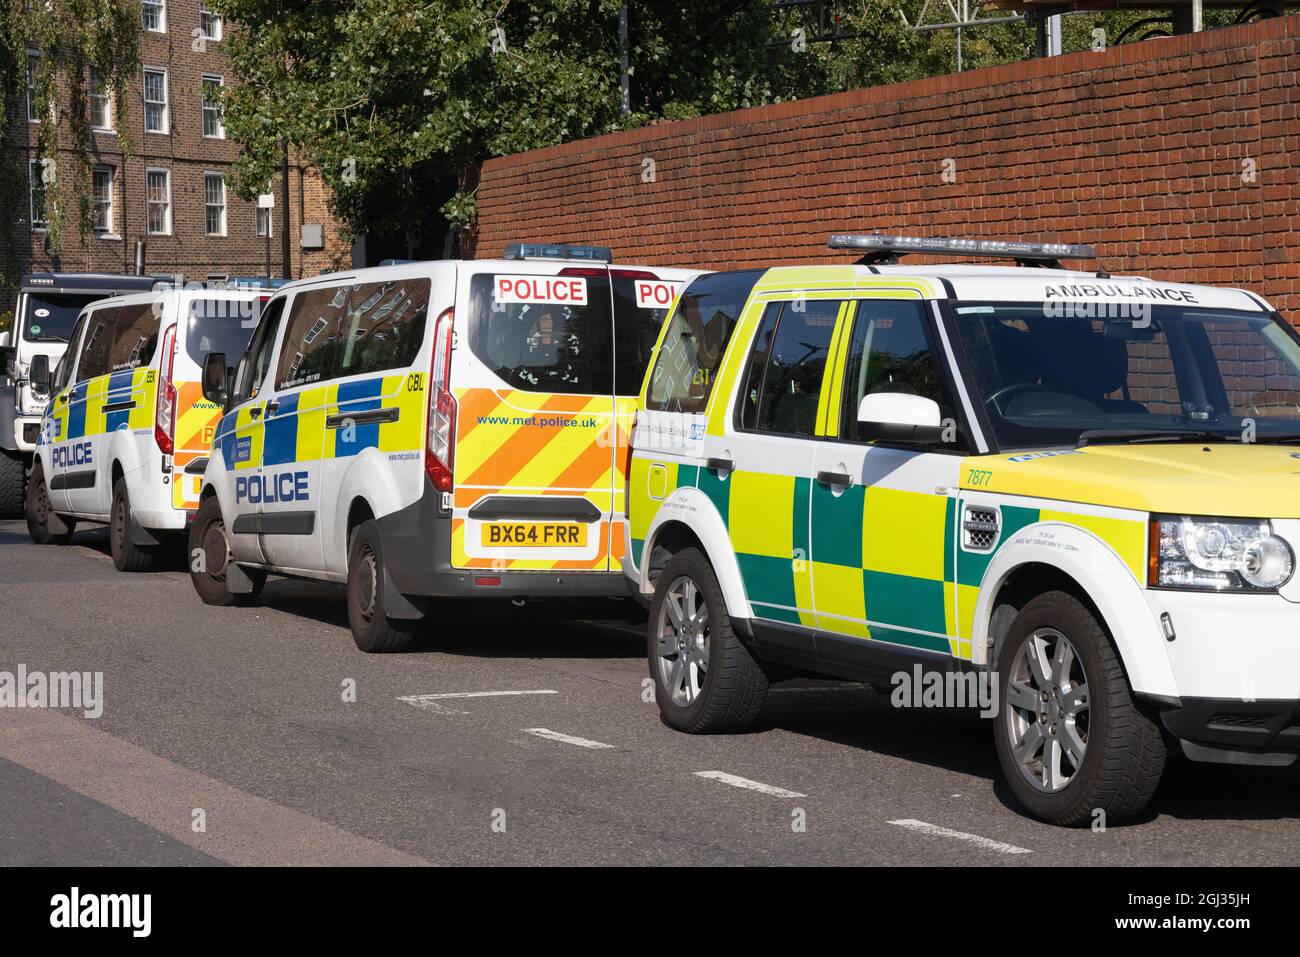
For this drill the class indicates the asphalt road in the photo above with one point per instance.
(227, 737)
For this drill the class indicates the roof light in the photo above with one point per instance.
(878, 247)
(599, 254)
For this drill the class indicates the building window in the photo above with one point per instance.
(36, 194)
(102, 178)
(153, 14)
(214, 204)
(263, 222)
(101, 103)
(210, 93)
(33, 61)
(158, 196)
(155, 101)
(209, 23)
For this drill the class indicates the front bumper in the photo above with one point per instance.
(417, 558)
(1239, 728)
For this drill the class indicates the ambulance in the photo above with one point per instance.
(425, 430)
(1074, 492)
(127, 421)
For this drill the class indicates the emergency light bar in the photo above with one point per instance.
(880, 248)
(596, 254)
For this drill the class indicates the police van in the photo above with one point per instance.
(128, 422)
(1079, 491)
(426, 430)
(46, 308)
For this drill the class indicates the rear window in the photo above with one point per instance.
(543, 346)
(339, 331)
(220, 325)
(696, 340)
(640, 307)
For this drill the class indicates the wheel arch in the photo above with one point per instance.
(688, 518)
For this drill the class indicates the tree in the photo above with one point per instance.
(74, 39)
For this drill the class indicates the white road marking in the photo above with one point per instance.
(739, 782)
(550, 735)
(431, 702)
(985, 842)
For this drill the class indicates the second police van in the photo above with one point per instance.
(1081, 492)
(127, 420)
(426, 430)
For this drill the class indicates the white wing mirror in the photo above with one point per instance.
(899, 417)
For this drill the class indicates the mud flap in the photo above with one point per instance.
(397, 605)
(237, 580)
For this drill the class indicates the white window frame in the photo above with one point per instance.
(35, 174)
(33, 108)
(265, 230)
(165, 102)
(220, 177)
(215, 20)
(106, 97)
(110, 217)
(167, 203)
(162, 16)
(219, 82)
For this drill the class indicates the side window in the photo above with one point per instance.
(63, 371)
(257, 358)
(695, 341)
(135, 336)
(890, 351)
(758, 356)
(99, 342)
(796, 365)
(348, 330)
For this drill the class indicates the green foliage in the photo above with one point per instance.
(73, 37)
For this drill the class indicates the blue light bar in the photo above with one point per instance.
(596, 254)
(996, 248)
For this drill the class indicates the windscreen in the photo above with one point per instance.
(50, 316)
(1051, 373)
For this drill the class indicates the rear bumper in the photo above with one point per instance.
(417, 556)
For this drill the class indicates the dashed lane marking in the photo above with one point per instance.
(987, 843)
(738, 782)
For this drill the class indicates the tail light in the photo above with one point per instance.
(164, 426)
(439, 449)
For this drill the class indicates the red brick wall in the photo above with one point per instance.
(1138, 150)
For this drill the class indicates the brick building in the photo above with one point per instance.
(1175, 157)
(173, 191)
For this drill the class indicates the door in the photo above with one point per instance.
(759, 476)
(74, 458)
(54, 429)
(882, 516)
(535, 433)
(240, 438)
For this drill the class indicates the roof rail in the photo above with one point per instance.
(880, 249)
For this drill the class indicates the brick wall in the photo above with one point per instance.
(187, 154)
(1138, 150)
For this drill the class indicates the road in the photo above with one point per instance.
(262, 736)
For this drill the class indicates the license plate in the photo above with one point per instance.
(534, 535)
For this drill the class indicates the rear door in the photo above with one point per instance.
(533, 375)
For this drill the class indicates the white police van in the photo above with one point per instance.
(426, 430)
(128, 421)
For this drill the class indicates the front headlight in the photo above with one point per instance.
(1218, 554)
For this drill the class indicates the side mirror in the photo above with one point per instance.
(38, 376)
(899, 417)
(6, 338)
(215, 388)
(7, 355)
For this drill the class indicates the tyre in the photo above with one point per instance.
(13, 485)
(1070, 737)
(705, 678)
(45, 527)
(209, 559)
(372, 629)
(127, 556)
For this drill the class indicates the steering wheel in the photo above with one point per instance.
(1011, 391)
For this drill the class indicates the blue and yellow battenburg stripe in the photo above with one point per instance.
(90, 406)
(296, 430)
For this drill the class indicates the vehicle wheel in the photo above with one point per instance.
(705, 678)
(13, 485)
(127, 556)
(372, 629)
(45, 527)
(1070, 737)
(209, 559)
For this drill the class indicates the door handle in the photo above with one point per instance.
(720, 465)
(272, 406)
(369, 417)
(835, 478)
(255, 412)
